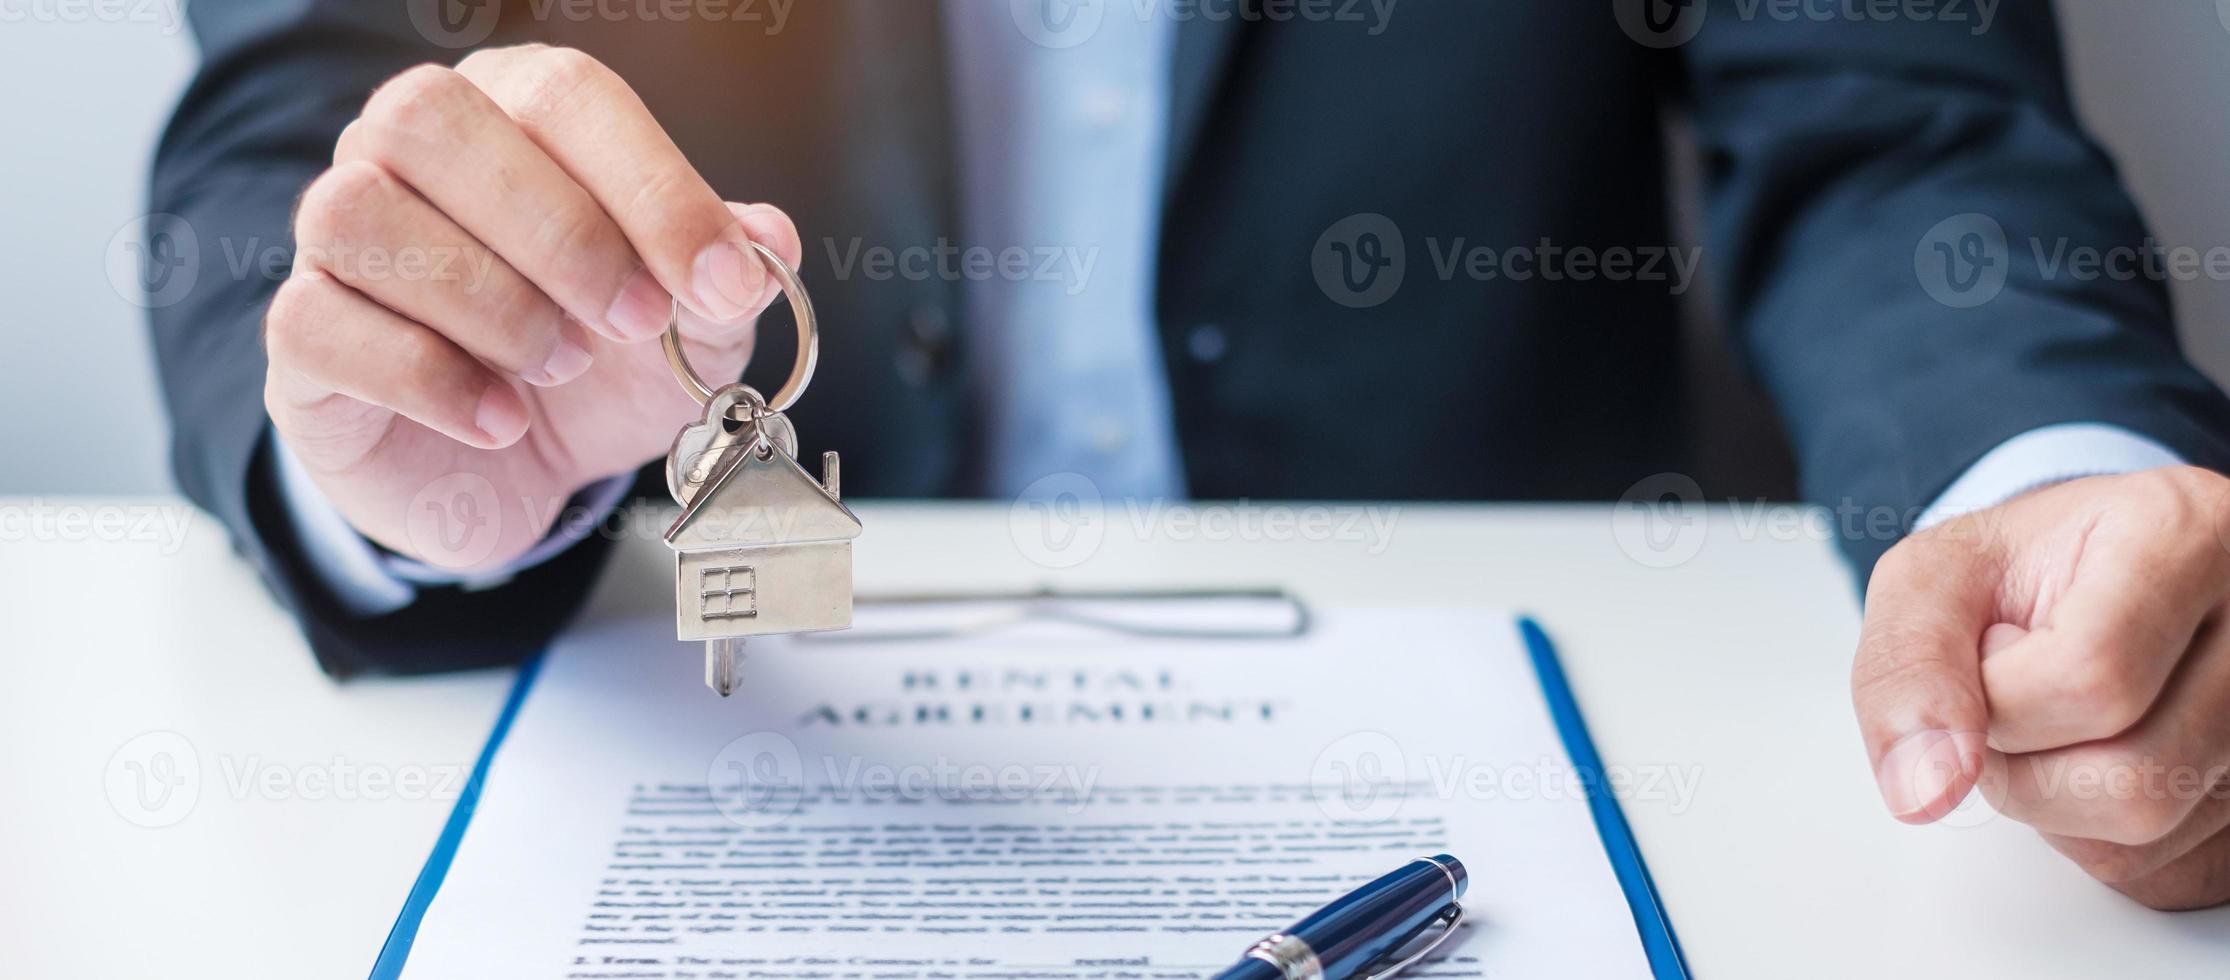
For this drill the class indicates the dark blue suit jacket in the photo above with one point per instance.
(1834, 154)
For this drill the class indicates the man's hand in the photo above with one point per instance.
(476, 288)
(2066, 650)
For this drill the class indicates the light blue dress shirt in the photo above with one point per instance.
(1061, 156)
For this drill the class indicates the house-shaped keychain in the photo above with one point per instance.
(763, 548)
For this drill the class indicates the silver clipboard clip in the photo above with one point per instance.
(1159, 613)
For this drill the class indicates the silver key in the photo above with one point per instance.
(760, 546)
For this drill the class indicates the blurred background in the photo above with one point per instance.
(79, 408)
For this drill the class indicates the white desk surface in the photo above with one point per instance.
(1735, 662)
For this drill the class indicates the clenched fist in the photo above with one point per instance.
(553, 224)
(2069, 652)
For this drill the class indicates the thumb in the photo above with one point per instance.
(766, 225)
(1917, 679)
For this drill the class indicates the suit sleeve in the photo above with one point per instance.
(278, 80)
(1892, 210)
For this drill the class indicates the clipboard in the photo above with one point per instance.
(1652, 926)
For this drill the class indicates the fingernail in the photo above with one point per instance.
(501, 417)
(727, 277)
(570, 360)
(1916, 773)
(640, 310)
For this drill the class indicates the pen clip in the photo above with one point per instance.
(1449, 918)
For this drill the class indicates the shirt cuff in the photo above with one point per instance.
(366, 580)
(2042, 457)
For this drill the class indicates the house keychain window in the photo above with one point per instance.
(729, 592)
(760, 546)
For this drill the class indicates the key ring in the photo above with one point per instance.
(809, 341)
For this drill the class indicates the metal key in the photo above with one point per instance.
(760, 546)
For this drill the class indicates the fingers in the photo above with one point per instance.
(2117, 628)
(460, 289)
(594, 126)
(437, 132)
(769, 226)
(1915, 682)
(2121, 863)
(2141, 786)
(326, 339)
(2197, 880)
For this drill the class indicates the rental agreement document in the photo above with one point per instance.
(1046, 801)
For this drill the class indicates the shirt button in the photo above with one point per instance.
(1207, 343)
(924, 344)
(1105, 108)
(1108, 436)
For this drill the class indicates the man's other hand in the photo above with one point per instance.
(478, 285)
(2067, 651)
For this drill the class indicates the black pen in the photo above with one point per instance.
(1363, 929)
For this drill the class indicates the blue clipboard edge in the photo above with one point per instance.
(396, 949)
(1658, 941)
